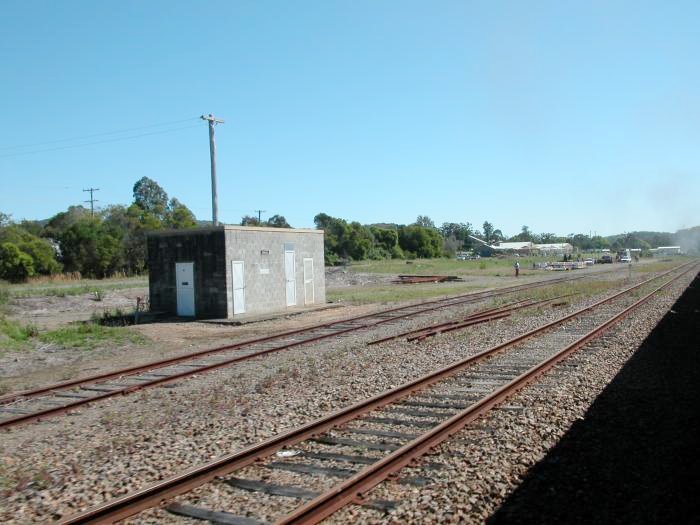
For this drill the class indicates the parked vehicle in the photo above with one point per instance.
(606, 259)
(589, 262)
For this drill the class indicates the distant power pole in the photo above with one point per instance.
(92, 200)
(213, 121)
(260, 212)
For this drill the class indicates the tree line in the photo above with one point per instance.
(110, 241)
(113, 240)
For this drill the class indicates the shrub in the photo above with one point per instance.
(15, 265)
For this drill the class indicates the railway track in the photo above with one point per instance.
(40, 403)
(335, 460)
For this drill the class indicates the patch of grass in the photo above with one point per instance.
(89, 336)
(483, 266)
(96, 289)
(395, 292)
(4, 294)
(658, 266)
(62, 289)
(14, 335)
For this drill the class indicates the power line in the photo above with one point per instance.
(96, 142)
(259, 215)
(92, 200)
(83, 137)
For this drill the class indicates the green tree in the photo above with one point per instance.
(142, 222)
(420, 241)
(90, 247)
(179, 216)
(386, 243)
(15, 265)
(41, 251)
(151, 197)
(425, 222)
(488, 232)
(63, 220)
(357, 242)
(249, 220)
(546, 238)
(278, 221)
(36, 228)
(335, 232)
(525, 235)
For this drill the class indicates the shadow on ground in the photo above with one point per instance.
(634, 458)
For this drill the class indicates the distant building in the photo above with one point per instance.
(528, 248)
(557, 248)
(521, 247)
(225, 271)
(663, 251)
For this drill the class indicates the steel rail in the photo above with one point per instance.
(152, 365)
(491, 314)
(156, 493)
(447, 323)
(356, 486)
(128, 389)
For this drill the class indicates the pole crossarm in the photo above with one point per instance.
(212, 118)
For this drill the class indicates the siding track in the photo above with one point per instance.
(32, 405)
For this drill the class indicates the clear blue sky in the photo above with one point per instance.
(564, 116)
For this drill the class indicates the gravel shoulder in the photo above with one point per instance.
(633, 457)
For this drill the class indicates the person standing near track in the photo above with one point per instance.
(517, 268)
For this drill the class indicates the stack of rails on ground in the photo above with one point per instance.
(432, 411)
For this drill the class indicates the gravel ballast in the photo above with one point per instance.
(486, 461)
(60, 466)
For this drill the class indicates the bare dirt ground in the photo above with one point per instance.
(340, 277)
(55, 311)
(47, 363)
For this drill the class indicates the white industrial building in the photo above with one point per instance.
(556, 248)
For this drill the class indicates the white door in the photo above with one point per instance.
(308, 281)
(184, 275)
(238, 274)
(290, 277)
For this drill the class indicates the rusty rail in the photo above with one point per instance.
(131, 371)
(448, 301)
(153, 495)
(352, 489)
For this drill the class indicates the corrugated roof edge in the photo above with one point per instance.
(233, 227)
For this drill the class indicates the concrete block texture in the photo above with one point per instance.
(212, 250)
(204, 248)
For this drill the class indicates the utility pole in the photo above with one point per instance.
(213, 121)
(92, 200)
(260, 212)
